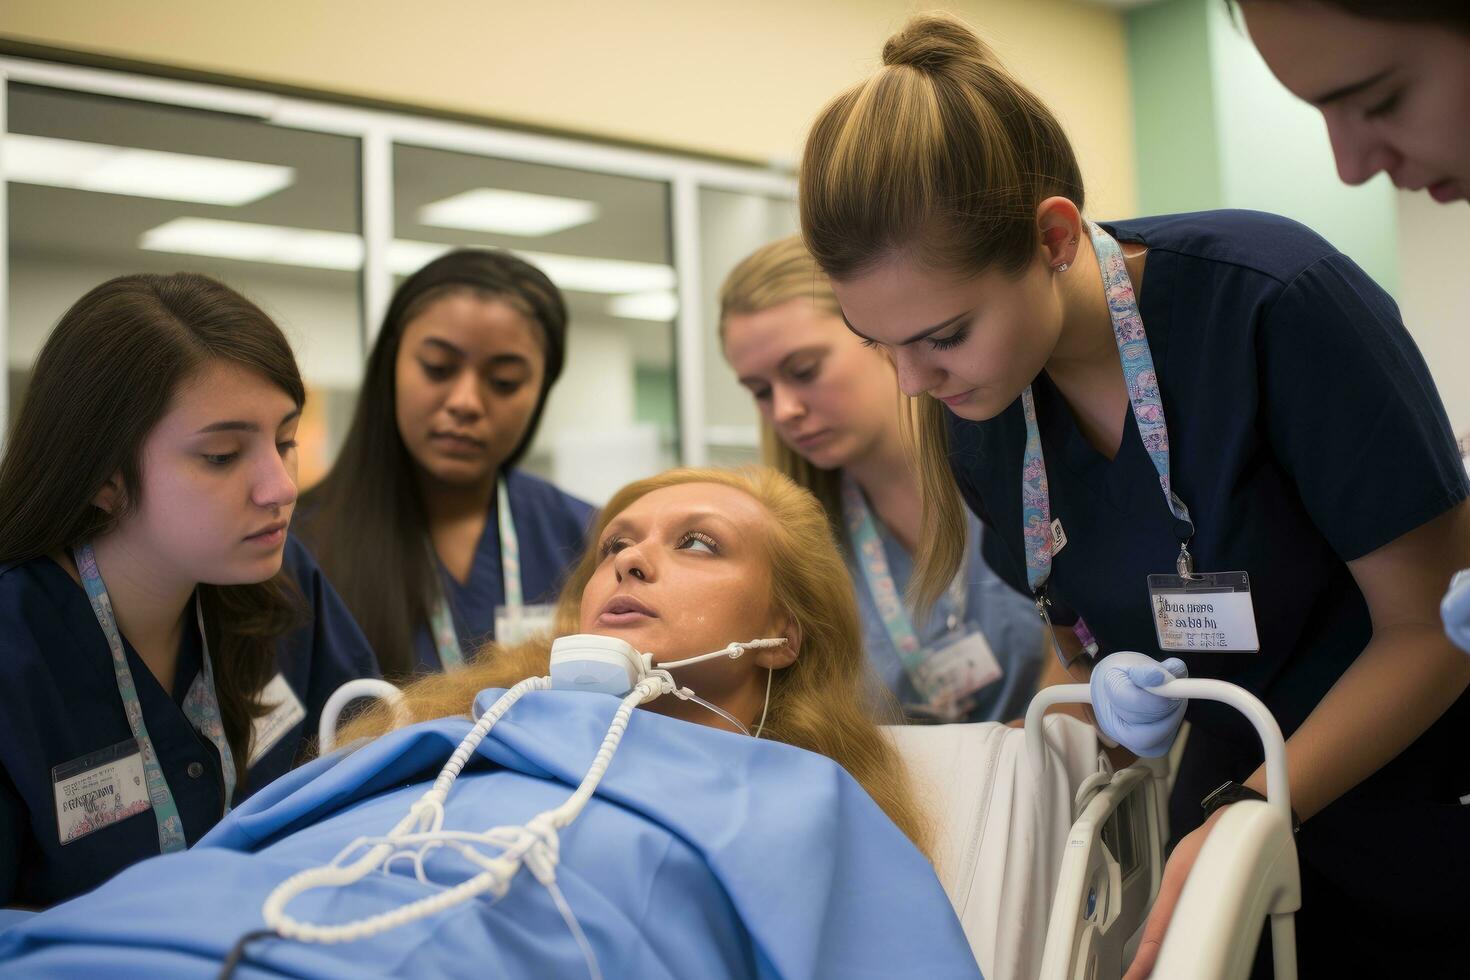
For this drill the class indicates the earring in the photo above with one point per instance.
(1061, 268)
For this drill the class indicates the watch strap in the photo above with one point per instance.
(1233, 792)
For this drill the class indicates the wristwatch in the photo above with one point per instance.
(1233, 792)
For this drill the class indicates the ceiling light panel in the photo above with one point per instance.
(106, 169)
(508, 212)
(251, 242)
(247, 242)
(660, 307)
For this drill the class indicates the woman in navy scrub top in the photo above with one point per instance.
(1269, 412)
(436, 541)
(165, 646)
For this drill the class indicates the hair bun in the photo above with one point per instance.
(934, 43)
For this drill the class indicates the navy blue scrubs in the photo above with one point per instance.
(552, 529)
(59, 702)
(1306, 433)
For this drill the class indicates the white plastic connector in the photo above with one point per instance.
(604, 664)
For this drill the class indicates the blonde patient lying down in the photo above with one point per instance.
(703, 851)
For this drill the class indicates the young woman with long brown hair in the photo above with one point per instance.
(1214, 415)
(436, 540)
(165, 645)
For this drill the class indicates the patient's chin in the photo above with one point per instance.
(646, 635)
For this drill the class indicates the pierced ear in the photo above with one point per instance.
(110, 498)
(785, 655)
(1060, 225)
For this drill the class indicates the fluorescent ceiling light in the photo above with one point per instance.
(586, 275)
(508, 212)
(139, 173)
(250, 242)
(255, 243)
(659, 306)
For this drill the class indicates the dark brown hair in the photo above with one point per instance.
(366, 520)
(1453, 14)
(104, 379)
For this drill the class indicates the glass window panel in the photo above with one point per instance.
(731, 226)
(99, 187)
(612, 416)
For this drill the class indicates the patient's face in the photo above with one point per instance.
(683, 571)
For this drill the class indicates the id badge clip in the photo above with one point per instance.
(1196, 612)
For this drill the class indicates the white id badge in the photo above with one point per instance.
(284, 711)
(99, 789)
(516, 623)
(1210, 612)
(955, 669)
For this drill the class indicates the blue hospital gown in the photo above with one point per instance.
(703, 854)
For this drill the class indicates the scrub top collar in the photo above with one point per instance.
(441, 620)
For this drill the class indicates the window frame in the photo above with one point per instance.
(378, 131)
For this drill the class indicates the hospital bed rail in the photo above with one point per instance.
(1246, 871)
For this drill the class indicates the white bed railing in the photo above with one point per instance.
(1247, 870)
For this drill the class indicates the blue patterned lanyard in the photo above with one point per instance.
(441, 620)
(200, 706)
(868, 547)
(1148, 411)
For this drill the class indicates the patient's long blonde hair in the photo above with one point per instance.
(824, 702)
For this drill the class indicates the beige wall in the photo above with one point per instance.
(736, 79)
(1434, 295)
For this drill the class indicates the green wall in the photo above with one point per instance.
(1177, 140)
(1214, 129)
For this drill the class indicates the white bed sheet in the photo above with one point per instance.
(999, 836)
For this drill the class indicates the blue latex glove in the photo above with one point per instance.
(1143, 723)
(1455, 610)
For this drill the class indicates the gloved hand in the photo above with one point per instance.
(1141, 722)
(1454, 610)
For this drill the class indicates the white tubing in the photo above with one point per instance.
(732, 651)
(1278, 792)
(365, 687)
(534, 844)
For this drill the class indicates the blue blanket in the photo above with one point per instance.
(703, 854)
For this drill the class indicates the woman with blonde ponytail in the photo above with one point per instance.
(1203, 437)
(831, 420)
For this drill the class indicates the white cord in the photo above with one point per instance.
(534, 845)
(732, 651)
(767, 706)
(685, 694)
